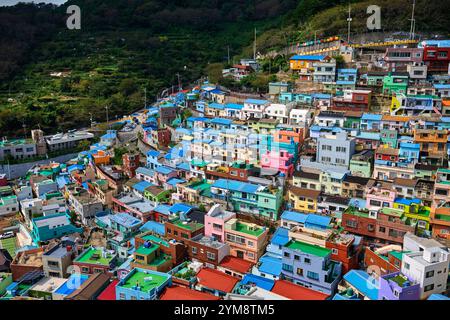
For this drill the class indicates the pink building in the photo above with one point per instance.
(379, 194)
(278, 160)
(215, 221)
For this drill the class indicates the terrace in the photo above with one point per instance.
(96, 256)
(243, 227)
(308, 248)
(144, 281)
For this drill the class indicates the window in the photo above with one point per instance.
(334, 251)
(300, 271)
(341, 149)
(313, 275)
(122, 296)
(211, 256)
(287, 267)
(351, 224)
(382, 229)
(429, 274)
(296, 257)
(428, 288)
(287, 255)
(194, 250)
(308, 260)
(406, 265)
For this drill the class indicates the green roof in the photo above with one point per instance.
(244, 228)
(146, 251)
(155, 239)
(356, 212)
(392, 212)
(442, 217)
(89, 256)
(146, 281)
(308, 248)
(188, 226)
(397, 254)
(399, 280)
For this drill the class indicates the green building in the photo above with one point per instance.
(395, 83)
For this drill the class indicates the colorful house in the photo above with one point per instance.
(52, 227)
(280, 161)
(142, 284)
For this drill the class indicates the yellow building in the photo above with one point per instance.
(304, 200)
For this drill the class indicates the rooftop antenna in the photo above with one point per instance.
(413, 22)
(349, 20)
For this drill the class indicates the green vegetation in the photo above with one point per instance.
(124, 47)
(56, 78)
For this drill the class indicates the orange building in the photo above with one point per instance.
(433, 143)
(101, 157)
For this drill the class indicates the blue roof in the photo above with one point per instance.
(75, 167)
(294, 216)
(164, 170)
(153, 153)
(62, 180)
(125, 219)
(363, 282)
(184, 166)
(145, 171)
(321, 96)
(368, 135)
(270, 265)
(255, 101)
(153, 226)
(280, 237)
(235, 106)
(72, 284)
(436, 296)
(441, 86)
(142, 185)
(162, 208)
(180, 207)
(235, 185)
(406, 145)
(316, 221)
(175, 181)
(345, 82)
(221, 121)
(308, 57)
(371, 116)
(407, 202)
(259, 281)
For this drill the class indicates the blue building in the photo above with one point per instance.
(52, 227)
(409, 151)
(310, 266)
(142, 284)
(371, 121)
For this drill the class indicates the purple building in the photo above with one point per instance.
(397, 286)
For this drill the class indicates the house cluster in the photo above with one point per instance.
(338, 192)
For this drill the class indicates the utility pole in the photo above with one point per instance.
(349, 20)
(179, 82)
(228, 55)
(145, 97)
(107, 115)
(90, 113)
(413, 22)
(254, 47)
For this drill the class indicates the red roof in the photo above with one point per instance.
(295, 292)
(236, 264)
(110, 292)
(216, 280)
(183, 293)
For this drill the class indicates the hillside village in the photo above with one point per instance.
(334, 185)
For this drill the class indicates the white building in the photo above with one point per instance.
(297, 116)
(279, 112)
(68, 140)
(427, 263)
(254, 108)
